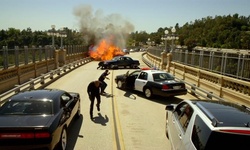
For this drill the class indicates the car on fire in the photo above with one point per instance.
(121, 61)
(38, 119)
(151, 82)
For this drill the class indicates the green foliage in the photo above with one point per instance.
(14, 37)
(231, 31)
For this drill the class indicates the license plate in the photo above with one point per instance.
(176, 87)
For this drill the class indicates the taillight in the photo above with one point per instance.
(24, 135)
(237, 131)
(42, 135)
(165, 87)
(17, 135)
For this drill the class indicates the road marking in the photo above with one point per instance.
(119, 143)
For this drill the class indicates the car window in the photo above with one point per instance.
(205, 138)
(143, 76)
(200, 133)
(128, 59)
(183, 113)
(115, 58)
(162, 77)
(135, 73)
(26, 108)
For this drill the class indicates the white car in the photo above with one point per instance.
(151, 82)
(208, 125)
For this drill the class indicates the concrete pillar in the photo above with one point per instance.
(62, 57)
(163, 60)
(168, 64)
(56, 54)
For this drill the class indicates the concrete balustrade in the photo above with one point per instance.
(19, 75)
(225, 87)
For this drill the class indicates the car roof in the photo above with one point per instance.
(153, 71)
(37, 94)
(223, 113)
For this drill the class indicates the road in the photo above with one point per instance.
(126, 121)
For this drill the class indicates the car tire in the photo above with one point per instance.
(63, 140)
(120, 84)
(148, 93)
(112, 66)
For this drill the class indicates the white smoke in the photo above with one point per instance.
(95, 26)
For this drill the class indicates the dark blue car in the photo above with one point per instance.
(38, 119)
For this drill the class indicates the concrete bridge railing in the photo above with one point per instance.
(15, 76)
(44, 79)
(224, 87)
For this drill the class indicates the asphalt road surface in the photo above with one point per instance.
(126, 121)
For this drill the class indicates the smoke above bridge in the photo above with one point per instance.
(106, 34)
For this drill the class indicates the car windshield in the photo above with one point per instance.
(26, 108)
(116, 58)
(162, 77)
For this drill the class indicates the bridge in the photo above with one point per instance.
(126, 120)
(203, 70)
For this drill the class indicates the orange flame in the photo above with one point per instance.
(105, 51)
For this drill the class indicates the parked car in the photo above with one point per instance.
(38, 119)
(151, 82)
(121, 61)
(207, 124)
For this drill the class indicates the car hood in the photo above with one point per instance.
(24, 121)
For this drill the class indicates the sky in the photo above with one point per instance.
(137, 15)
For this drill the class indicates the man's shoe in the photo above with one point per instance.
(98, 107)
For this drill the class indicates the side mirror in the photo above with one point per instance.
(169, 107)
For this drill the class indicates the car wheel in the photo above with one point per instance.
(112, 66)
(132, 66)
(63, 140)
(120, 84)
(148, 93)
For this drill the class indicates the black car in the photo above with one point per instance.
(151, 82)
(38, 119)
(121, 61)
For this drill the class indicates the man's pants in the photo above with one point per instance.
(103, 86)
(92, 101)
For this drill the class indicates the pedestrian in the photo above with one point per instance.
(94, 92)
(102, 78)
(100, 65)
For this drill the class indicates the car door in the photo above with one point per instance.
(141, 81)
(178, 124)
(120, 61)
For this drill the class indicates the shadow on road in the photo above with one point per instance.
(100, 119)
(73, 133)
(130, 95)
(158, 99)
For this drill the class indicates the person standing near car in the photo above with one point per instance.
(102, 78)
(94, 92)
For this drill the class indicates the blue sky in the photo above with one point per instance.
(144, 15)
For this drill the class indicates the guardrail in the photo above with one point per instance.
(44, 79)
(206, 93)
